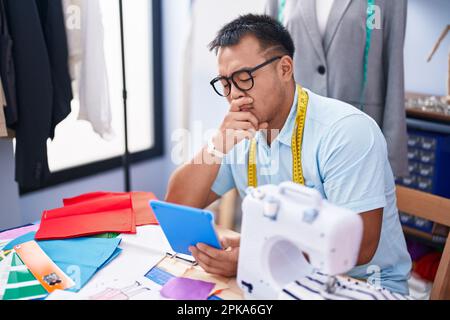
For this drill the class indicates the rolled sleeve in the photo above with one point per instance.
(353, 156)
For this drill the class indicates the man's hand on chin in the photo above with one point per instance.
(221, 262)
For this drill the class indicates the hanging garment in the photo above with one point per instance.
(7, 71)
(3, 129)
(87, 63)
(333, 65)
(52, 21)
(323, 10)
(42, 82)
(2, 95)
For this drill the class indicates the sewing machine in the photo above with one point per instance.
(284, 227)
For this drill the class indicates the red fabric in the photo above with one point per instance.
(86, 197)
(88, 218)
(426, 267)
(140, 204)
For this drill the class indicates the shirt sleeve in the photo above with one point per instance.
(352, 159)
(224, 181)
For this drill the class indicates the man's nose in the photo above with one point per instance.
(236, 93)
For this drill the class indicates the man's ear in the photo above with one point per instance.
(287, 68)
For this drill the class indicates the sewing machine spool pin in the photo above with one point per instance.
(271, 208)
(330, 285)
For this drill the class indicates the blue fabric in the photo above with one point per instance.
(79, 258)
(22, 239)
(344, 157)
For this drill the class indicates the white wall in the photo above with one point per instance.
(208, 109)
(426, 20)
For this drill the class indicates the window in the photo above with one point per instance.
(77, 150)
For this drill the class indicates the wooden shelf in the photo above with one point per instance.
(422, 237)
(428, 115)
(425, 115)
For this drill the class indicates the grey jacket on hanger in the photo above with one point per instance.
(332, 66)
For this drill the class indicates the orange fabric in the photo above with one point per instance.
(142, 209)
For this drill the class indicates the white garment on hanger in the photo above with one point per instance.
(85, 36)
(323, 10)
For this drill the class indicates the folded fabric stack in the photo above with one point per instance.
(80, 239)
(97, 213)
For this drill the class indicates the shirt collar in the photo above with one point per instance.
(285, 135)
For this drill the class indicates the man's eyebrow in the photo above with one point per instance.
(227, 76)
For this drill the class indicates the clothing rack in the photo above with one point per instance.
(126, 155)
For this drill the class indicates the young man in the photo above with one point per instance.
(338, 150)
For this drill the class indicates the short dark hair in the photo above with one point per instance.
(268, 31)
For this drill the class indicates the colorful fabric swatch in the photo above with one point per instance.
(21, 284)
(50, 276)
(187, 289)
(79, 258)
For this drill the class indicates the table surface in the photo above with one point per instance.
(145, 249)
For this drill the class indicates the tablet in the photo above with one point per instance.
(185, 226)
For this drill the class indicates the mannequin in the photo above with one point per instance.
(332, 60)
(323, 10)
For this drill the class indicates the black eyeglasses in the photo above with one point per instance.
(242, 79)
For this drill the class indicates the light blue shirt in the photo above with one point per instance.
(344, 157)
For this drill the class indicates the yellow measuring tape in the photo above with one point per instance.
(297, 140)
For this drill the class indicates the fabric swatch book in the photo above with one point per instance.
(17, 282)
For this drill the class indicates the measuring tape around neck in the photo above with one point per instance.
(281, 10)
(296, 144)
(370, 13)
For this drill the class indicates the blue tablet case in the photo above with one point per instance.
(185, 226)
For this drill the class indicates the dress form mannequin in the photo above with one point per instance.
(323, 9)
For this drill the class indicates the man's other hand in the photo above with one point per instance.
(221, 262)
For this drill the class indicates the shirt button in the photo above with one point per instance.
(321, 70)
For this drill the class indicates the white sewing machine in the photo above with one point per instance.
(279, 224)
